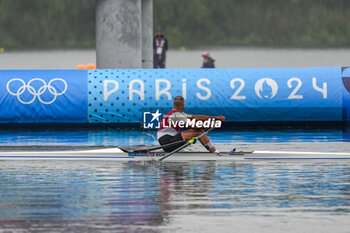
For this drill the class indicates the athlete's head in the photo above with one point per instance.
(179, 103)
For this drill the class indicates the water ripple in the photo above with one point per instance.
(105, 196)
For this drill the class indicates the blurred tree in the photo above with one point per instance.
(47, 23)
(190, 23)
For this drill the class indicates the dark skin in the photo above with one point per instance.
(190, 133)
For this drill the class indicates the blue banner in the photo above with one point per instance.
(292, 94)
(43, 96)
(144, 95)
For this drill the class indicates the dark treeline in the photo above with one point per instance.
(291, 23)
(47, 24)
(190, 23)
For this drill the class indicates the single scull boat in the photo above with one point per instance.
(127, 154)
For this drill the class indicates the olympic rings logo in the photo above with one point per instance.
(36, 93)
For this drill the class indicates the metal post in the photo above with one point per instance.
(147, 33)
(119, 34)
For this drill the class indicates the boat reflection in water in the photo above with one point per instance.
(163, 197)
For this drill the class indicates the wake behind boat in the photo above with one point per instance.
(144, 153)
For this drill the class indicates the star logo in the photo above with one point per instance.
(156, 115)
(151, 120)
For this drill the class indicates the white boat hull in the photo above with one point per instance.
(296, 155)
(115, 154)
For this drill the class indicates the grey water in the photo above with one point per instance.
(86, 196)
(82, 196)
(78, 196)
(127, 137)
(224, 58)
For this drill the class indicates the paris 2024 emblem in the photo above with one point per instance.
(266, 88)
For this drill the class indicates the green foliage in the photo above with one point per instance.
(47, 23)
(189, 23)
(282, 23)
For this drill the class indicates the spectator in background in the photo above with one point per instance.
(208, 62)
(160, 47)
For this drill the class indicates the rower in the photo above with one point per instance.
(169, 128)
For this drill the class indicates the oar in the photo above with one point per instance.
(150, 148)
(189, 142)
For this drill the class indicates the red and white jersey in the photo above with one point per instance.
(169, 124)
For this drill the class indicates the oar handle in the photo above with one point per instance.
(204, 133)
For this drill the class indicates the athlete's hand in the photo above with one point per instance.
(221, 118)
